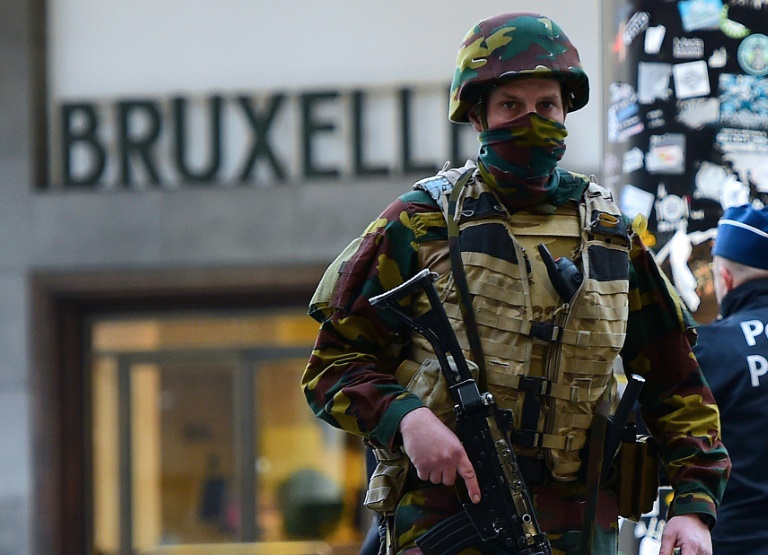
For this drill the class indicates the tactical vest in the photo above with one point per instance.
(547, 360)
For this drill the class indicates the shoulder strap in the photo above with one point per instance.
(435, 186)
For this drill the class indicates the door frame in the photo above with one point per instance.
(61, 305)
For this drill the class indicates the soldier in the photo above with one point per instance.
(733, 353)
(546, 358)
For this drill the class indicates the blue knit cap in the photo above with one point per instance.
(742, 236)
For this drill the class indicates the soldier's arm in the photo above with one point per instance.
(676, 403)
(350, 379)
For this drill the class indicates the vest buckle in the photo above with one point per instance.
(545, 331)
(534, 384)
(527, 438)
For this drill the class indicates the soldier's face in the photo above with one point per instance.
(508, 101)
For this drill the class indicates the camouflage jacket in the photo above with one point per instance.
(349, 381)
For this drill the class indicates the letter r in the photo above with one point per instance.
(758, 366)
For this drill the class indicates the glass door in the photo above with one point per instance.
(201, 435)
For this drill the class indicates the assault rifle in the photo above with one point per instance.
(505, 511)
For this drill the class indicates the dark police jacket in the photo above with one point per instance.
(733, 354)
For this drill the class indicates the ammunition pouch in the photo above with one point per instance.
(426, 381)
(385, 488)
(638, 476)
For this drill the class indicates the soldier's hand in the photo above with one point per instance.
(436, 452)
(688, 533)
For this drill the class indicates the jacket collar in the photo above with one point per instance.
(746, 295)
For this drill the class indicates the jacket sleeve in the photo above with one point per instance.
(350, 380)
(676, 404)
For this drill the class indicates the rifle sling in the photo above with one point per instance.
(457, 532)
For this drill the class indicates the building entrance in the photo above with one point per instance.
(200, 434)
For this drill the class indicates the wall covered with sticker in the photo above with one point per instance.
(686, 124)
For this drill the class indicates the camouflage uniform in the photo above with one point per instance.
(351, 381)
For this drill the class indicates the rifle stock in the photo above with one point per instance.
(505, 511)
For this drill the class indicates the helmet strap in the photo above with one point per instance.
(481, 113)
(567, 98)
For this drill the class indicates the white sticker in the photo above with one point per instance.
(691, 79)
(718, 58)
(753, 55)
(709, 181)
(654, 36)
(671, 211)
(733, 193)
(698, 112)
(623, 113)
(754, 4)
(743, 100)
(759, 176)
(655, 119)
(632, 160)
(653, 82)
(636, 25)
(636, 201)
(688, 48)
(700, 14)
(666, 154)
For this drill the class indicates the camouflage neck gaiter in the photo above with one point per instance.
(520, 159)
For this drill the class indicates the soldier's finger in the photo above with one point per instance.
(467, 473)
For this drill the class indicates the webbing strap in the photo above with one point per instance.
(460, 277)
(549, 388)
(546, 331)
(529, 420)
(532, 438)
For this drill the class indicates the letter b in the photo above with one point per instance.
(84, 135)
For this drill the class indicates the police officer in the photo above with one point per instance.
(733, 353)
(546, 355)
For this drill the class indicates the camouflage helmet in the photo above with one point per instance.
(513, 45)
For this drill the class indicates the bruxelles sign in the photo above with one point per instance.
(252, 139)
